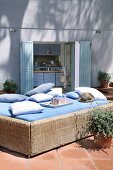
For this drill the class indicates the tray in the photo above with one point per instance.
(49, 104)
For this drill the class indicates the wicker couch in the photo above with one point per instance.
(31, 138)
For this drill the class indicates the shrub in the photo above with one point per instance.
(9, 85)
(102, 122)
(103, 76)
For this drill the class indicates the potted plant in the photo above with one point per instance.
(9, 86)
(102, 127)
(104, 78)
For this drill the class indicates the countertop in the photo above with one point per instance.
(48, 71)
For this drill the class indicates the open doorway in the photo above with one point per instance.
(66, 65)
(54, 61)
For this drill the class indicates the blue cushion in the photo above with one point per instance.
(40, 97)
(10, 98)
(43, 88)
(57, 91)
(72, 95)
(97, 94)
(25, 107)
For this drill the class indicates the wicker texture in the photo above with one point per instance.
(51, 133)
(42, 135)
(15, 134)
(57, 131)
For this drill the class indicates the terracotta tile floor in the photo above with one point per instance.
(81, 155)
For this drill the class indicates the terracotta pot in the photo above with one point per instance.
(111, 84)
(104, 83)
(102, 142)
(11, 91)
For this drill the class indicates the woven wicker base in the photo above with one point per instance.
(31, 138)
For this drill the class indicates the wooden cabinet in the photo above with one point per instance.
(49, 78)
(37, 79)
(46, 77)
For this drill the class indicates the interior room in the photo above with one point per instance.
(52, 63)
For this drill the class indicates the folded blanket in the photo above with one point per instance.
(25, 107)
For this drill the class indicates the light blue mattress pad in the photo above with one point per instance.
(51, 112)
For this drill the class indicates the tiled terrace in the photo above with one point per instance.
(81, 155)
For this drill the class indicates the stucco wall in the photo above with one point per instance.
(55, 20)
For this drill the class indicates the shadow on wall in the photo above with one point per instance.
(102, 55)
(77, 18)
(56, 16)
(11, 16)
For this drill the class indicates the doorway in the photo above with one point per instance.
(53, 57)
(71, 60)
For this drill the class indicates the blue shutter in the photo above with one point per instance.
(85, 64)
(26, 66)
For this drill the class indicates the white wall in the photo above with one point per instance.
(55, 20)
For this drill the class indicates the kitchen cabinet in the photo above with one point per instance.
(46, 77)
(46, 49)
(49, 78)
(37, 79)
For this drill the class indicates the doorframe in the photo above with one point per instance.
(72, 64)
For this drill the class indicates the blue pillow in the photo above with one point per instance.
(10, 98)
(72, 95)
(57, 91)
(40, 97)
(25, 107)
(43, 88)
